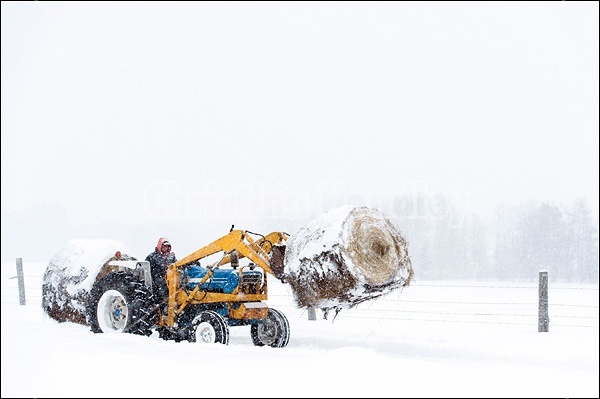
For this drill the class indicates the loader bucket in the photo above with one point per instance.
(276, 264)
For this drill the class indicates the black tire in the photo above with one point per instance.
(209, 327)
(169, 335)
(121, 303)
(273, 331)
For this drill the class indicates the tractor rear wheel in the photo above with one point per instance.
(120, 303)
(273, 331)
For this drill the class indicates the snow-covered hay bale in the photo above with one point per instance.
(70, 275)
(346, 256)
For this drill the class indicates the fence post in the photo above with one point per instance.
(21, 281)
(311, 313)
(543, 318)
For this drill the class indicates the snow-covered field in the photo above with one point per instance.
(433, 339)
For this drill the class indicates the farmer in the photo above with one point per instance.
(159, 260)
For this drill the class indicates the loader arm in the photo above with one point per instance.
(241, 241)
(264, 245)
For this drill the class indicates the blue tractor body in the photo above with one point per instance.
(222, 280)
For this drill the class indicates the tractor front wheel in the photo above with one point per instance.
(273, 331)
(209, 327)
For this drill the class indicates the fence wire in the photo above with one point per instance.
(569, 306)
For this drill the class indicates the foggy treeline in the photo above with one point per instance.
(514, 243)
(446, 240)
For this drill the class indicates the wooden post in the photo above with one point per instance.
(543, 318)
(312, 315)
(21, 281)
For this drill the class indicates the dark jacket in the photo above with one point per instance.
(158, 269)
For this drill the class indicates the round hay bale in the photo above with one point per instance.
(347, 256)
(69, 277)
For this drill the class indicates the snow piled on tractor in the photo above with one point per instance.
(70, 275)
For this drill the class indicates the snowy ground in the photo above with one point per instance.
(434, 339)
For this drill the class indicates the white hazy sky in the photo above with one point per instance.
(432, 339)
(196, 111)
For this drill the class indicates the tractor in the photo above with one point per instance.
(204, 301)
